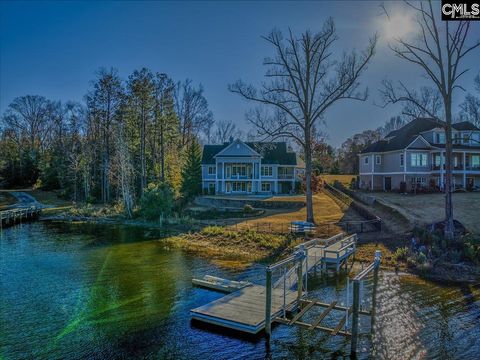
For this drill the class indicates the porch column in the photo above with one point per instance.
(373, 170)
(464, 170)
(405, 166)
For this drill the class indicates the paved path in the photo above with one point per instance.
(25, 200)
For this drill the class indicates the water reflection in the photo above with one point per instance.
(82, 291)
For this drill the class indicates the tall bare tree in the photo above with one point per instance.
(470, 107)
(192, 110)
(303, 81)
(104, 103)
(141, 100)
(439, 50)
(223, 131)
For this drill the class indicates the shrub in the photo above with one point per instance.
(248, 209)
(157, 200)
(401, 254)
(421, 258)
(212, 231)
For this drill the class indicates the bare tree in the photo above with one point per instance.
(439, 51)
(303, 82)
(192, 111)
(470, 107)
(430, 101)
(224, 130)
(125, 169)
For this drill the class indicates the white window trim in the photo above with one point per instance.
(378, 159)
(365, 161)
(211, 167)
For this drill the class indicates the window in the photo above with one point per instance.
(438, 160)
(378, 159)
(466, 138)
(419, 159)
(239, 169)
(402, 160)
(456, 138)
(440, 138)
(419, 181)
(267, 171)
(476, 161)
(239, 186)
(266, 186)
(366, 160)
(212, 170)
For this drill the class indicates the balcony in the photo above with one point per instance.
(285, 177)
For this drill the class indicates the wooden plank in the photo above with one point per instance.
(341, 323)
(302, 312)
(306, 326)
(322, 316)
(339, 326)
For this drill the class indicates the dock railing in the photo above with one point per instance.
(357, 285)
(8, 217)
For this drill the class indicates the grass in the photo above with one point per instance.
(324, 208)
(6, 199)
(427, 208)
(227, 247)
(344, 179)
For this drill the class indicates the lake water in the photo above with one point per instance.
(107, 292)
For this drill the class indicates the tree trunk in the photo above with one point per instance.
(308, 177)
(449, 227)
(162, 153)
(142, 154)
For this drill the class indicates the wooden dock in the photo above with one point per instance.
(245, 309)
(15, 216)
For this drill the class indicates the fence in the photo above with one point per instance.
(347, 201)
(321, 229)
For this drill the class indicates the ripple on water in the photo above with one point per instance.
(81, 291)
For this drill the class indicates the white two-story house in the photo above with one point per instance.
(415, 154)
(238, 167)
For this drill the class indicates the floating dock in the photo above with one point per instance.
(219, 284)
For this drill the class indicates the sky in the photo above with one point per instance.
(55, 48)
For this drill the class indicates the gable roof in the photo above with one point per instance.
(237, 148)
(401, 138)
(271, 153)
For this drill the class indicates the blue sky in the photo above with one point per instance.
(54, 48)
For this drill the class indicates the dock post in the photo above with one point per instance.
(299, 281)
(378, 257)
(356, 306)
(268, 304)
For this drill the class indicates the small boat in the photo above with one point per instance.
(219, 284)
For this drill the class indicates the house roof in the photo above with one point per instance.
(271, 152)
(464, 125)
(401, 138)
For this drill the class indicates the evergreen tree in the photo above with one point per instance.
(192, 171)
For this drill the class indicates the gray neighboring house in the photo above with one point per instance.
(238, 167)
(415, 154)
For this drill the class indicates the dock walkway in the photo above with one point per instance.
(244, 310)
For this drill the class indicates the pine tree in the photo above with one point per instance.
(192, 171)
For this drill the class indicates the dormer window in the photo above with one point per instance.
(440, 138)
